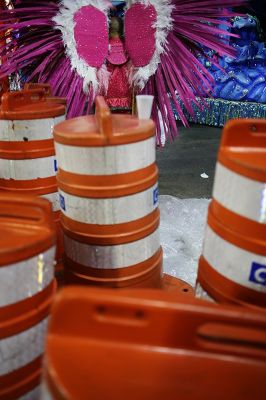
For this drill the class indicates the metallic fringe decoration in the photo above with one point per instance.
(216, 112)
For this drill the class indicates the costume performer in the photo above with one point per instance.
(65, 43)
(118, 93)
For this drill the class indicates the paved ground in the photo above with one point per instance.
(182, 162)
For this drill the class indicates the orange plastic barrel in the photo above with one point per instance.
(108, 185)
(48, 92)
(27, 155)
(233, 263)
(27, 286)
(149, 345)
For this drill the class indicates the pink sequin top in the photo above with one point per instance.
(119, 93)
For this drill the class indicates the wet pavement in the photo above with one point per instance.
(182, 162)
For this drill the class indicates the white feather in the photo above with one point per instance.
(65, 22)
(163, 25)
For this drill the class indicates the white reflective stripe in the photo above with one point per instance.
(45, 392)
(112, 210)
(54, 200)
(27, 169)
(24, 279)
(238, 265)
(239, 194)
(118, 256)
(21, 349)
(34, 394)
(109, 160)
(201, 294)
(28, 130)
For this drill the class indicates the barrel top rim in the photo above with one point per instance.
(83, 131)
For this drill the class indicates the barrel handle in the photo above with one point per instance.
(244, 133)
(139, 318)
(28, 209)
(44, 86)
(104, 118)
(13, 100)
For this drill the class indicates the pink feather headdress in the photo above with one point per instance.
(65, 43)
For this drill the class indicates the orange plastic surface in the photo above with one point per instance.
(26, 225)
(243, 148)
(244, 239)
(108, 186)
(48, 92)
(147, 345)
(26, 150)
(103, 128)
(43, 86)
(29, 104)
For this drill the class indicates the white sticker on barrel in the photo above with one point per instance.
(108, 160)
(19, 350)
(28, 130)
(34, 394)
(109, 211)
(54, 200)
(236, 264)
(45, 392)
(25, 279)
(239, 194)
(118, 256)
(27, 169)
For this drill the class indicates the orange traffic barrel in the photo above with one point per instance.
(27, 286)
(130, 346)
(232, 267)
(48, 92)
(108, 185)
(239, 198)
(233, 263)
(27, 155)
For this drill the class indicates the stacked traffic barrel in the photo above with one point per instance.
(27, 155)
(232, 267)
(27, 286)
(107, 180)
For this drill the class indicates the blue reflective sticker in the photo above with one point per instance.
(55, 166)
(258, 274)
(62, 202)
(155, 196)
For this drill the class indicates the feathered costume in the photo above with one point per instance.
(65, 43)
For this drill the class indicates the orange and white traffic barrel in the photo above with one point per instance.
(233, 263)
(108, 185)
(232, 267)
(27, 156)
(239, 194)
(27, 286)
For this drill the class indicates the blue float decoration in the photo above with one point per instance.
(241, 91)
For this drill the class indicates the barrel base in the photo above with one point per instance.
(172, 284)
(224, 291)
(144, 275)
